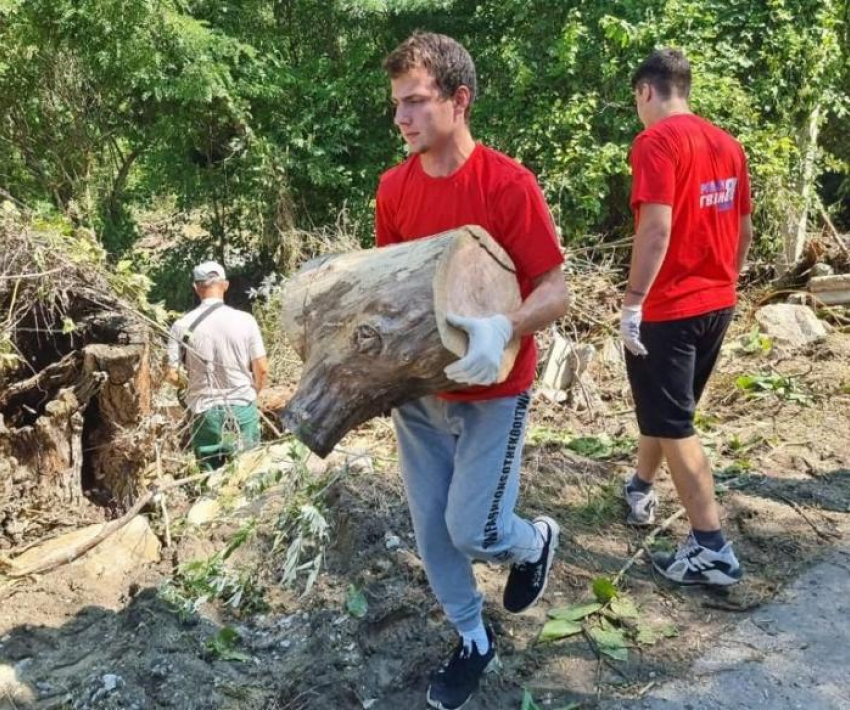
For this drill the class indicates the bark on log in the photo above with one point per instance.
(122, 404)
(370, 326)
(77, 425)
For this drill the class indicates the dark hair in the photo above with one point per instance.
(666, 70)
(445, 59)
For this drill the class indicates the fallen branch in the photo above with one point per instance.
(645, 544)
(109, 529)
(31, 275)
(52, 377)
(796, 506)
(834, 232)
(163, 504)
(271, 425)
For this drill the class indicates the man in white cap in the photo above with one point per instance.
(222, 351)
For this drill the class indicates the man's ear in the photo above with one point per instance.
(225, 286)
(462, 100)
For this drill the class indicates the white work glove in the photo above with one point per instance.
(630, 329)
(488, 337)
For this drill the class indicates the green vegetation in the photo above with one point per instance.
(356, 604)
(302, 530)
(600, 447)
(602, 504)
(222, 646)
(209, 579)
(261, 121)
(764, 384)
(755, 343)
(612, 623)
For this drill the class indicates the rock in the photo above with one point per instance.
(133, 545)
(359, 461)
(391, 541)
(12, 689)
(112, 682)
(565, 363)
(791, 325)
(550, 394)
(203, 511)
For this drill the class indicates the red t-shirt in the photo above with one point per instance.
(701, 171)
(494, 192)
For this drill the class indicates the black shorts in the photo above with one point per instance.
(668, 382)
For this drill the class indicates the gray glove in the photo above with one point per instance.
(488, 337)
(630, 319)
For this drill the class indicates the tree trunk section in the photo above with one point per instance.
(795, 229)
(370, 326)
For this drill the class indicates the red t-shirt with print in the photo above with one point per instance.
(494, 192)
(701, 172)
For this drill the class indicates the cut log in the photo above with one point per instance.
(831, 290)
(370, 326)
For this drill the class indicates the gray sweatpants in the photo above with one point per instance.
(460, 462)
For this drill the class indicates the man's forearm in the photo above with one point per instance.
(743, 250)
(648, 254)
(648, 251)
(745, 239)
(544, 305)
(260, 370)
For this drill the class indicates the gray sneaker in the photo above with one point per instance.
(694, 564)
(641, 506)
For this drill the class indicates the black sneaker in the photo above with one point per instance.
(527, 580)
(694, 564)
(457, 679)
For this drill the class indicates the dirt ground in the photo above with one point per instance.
(69, 640)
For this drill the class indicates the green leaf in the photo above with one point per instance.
(68, 326)
(591, 446)
(575, 612)
(222, 646)
(559, 629)
(623, 607)
(648, 634)
(528, 701)
(357, 605)
(604, 589)
(668, 630)
(611, 641)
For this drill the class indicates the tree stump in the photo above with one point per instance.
(370, 326)
(76, 428)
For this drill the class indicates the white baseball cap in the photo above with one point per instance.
(209, 271)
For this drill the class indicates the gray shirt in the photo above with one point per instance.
(218, 356)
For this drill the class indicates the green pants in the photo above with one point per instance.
(220, 431)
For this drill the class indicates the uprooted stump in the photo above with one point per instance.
(75, 382)
(370, 326)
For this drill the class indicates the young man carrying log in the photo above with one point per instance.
(691, 199)
(222, 351)
(460, 452)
